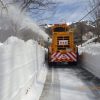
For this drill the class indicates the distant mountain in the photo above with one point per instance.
(86, 29)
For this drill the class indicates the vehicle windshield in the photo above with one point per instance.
(59, 29)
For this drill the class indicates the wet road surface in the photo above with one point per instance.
(70, 83)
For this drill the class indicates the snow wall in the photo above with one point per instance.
(22, 69)
(91, 57)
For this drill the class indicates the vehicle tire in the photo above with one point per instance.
(74, 63)
(77, 56)
(50, 64)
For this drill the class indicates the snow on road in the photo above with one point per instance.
(67, 84)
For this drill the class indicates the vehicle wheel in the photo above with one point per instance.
(50, 64)
(74, 63)
(77, 55)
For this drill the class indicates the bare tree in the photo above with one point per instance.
(38, 8)
(1, 4)
(95, 14)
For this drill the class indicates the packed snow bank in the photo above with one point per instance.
(91, 57)
(22, 69)
(89, 41)
(36, 89)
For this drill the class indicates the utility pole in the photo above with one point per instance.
(80, 26)
(81, 31)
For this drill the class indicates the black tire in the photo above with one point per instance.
(50, 64)
(77, 56)
(74, 63)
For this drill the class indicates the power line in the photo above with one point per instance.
(89, 12)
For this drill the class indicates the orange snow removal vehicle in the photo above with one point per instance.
(62, 49)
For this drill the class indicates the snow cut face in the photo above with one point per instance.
(20, 66)
(91, 55)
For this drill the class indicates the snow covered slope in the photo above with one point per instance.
(91, 57)
(22, 69)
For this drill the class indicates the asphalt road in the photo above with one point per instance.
(70, 83)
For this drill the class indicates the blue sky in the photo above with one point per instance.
(66, 11)
(69, 11)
